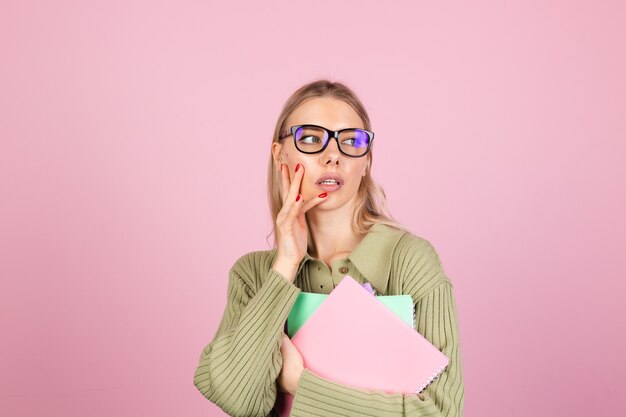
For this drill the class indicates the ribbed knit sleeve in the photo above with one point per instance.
(238, 369)
(436, 320)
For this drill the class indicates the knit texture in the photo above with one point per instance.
(238, 369)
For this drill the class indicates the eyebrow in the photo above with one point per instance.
(317, 124)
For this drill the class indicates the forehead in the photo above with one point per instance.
(325, 111)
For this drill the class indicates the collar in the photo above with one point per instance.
(373, 255)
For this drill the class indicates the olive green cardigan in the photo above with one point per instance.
(239, 368)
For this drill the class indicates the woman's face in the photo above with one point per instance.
(332, 114)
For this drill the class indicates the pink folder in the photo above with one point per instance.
(353, 339)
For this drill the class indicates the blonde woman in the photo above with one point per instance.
(330, 220)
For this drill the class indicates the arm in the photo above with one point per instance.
(435, 319)
(237, 371)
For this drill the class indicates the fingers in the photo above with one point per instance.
(284, 173)
(291, 187)
(294, 186)
(313, 202)
(294, 207)
(300, 207)
(292, 201)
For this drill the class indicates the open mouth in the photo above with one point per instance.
(329, 185)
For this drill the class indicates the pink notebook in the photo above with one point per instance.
(353, 339)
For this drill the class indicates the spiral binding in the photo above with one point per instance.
(432, 378)
(435, 374)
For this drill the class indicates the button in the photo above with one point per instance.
(344, 269)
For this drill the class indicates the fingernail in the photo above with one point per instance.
(298, 197)
(323, 195)
(297, 167)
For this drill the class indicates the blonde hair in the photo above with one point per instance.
(371, 206)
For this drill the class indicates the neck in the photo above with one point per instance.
(332, 232)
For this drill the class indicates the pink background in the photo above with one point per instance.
(134, 142)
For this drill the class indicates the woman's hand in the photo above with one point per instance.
(293, 366)
(291, 227)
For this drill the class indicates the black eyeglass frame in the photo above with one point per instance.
(332, 134)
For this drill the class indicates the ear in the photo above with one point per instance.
(276, 147)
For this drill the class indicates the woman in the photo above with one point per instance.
(330, 220)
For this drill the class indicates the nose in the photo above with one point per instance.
(331, 154)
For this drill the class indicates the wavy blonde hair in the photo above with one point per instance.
(371, 206)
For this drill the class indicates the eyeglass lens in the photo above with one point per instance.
(312, 139)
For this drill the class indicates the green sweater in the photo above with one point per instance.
(239, 368)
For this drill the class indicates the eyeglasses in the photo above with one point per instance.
(314, 139)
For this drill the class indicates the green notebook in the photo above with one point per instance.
(308, 302)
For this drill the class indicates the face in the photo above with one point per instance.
(332, 114)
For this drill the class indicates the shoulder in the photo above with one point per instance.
(416, 248)
(253, 267)
(416, 261)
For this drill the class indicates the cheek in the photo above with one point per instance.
(293, 159)
(357, 174)
(290, 161)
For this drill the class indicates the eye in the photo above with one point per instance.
(349, 142)
(309, 139)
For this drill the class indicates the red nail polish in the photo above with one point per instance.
(298, 197)
(323, 195)
(297, 167)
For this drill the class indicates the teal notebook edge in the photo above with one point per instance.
(307, 302)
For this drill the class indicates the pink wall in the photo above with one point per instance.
(134, 142)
